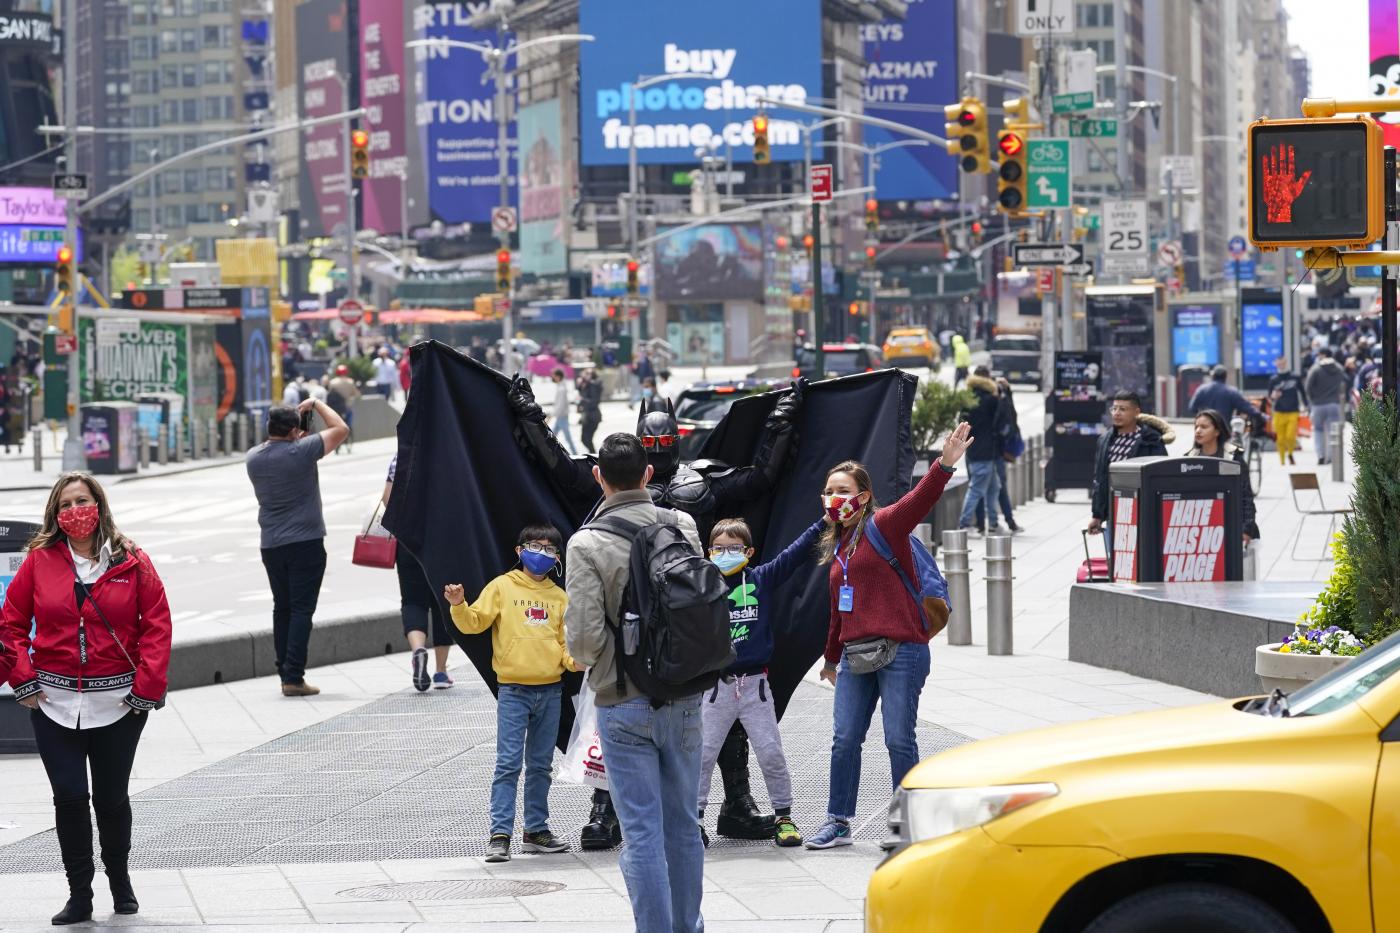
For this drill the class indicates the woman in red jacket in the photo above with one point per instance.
(100, 648)
(874, 623)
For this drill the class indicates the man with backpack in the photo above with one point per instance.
(674, 643)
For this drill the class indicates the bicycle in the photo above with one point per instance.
(1245, 435)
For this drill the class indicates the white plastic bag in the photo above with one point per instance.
(583, 760)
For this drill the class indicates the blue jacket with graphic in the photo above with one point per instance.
(750, 627)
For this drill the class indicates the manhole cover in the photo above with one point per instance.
(451, 890)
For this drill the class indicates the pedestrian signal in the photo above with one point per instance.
(1317, 182)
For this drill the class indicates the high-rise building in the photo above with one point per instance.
(102, 47)
(1095, 29)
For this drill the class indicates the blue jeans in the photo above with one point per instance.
(1003, 497)
(527, 723)
(982, 486)
(897, 686)
(561, 428)
(653, 762)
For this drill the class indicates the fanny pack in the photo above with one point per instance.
(869, 654)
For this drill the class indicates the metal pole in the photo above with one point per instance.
(818, 330)
(195, 440)
(228, 434)
(74, 457)
(1120, 87)
(143, 449)
(212, 436)
(955, 571)
(1388, 285)
(1335, 450)
(36, 438)
(163, 444)
(498, 74)
(243, 431)
(998, 594)
(352, 275)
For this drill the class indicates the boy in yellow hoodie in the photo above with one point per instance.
(524, 610)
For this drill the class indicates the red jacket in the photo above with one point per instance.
(405, 372)
(132, 597)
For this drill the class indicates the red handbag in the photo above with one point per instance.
(375, 550)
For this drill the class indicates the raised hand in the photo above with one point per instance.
(1281, 189)
(454, 594)
(521, 399)
(957, 444)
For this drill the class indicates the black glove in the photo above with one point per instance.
(790, 405)
(522, 401)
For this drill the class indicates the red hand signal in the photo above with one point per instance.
(1281, 189)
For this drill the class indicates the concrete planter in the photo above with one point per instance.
(1288, 672)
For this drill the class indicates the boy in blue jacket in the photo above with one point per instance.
(743, 691)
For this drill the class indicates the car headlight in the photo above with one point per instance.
(921, 814)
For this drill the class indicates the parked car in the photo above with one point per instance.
(841, 359)
(700, 407)
(911, 346)
(1271, 814)
(1017, 357)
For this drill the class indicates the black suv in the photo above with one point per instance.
(700, 407)
(842, 359)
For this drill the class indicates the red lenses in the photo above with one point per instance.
(663, 440)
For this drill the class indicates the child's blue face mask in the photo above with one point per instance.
(537, 563)
(729, 563)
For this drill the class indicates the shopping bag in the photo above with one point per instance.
(583, 760)
(375, 550)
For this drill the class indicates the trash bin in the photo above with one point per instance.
(1188, 380)
(109, 437)
(1176, 519)
(16, 736)
(155, 409)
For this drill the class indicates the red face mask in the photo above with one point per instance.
(79, 521)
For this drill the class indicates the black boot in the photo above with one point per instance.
(739, 817)
(602, 830)
(71, 823)
(114, 836)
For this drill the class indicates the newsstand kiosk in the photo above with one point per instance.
(16, 734)
(1176, 519)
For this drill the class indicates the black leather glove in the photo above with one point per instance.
(789, 406)
(522, 401)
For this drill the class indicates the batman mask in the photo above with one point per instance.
(660, 437)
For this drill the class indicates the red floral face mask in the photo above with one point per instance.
(79, 521)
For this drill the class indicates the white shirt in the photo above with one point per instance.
(318, 391)
(385, 371)
(88, 709)
(290, 395)
(561, 399)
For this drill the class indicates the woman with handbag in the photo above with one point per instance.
(419, 607)
(878, 633)
(100, 649)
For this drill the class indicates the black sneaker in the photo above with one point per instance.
(498, 849)
(544, 842)
(421, 681)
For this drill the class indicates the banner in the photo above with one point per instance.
(153, 359)
(323, 61)
(383, 94)
(1193, 538)
(1385, 63)
(543, 249)
(1125, 536)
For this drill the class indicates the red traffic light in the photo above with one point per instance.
(977, 227)
(966, 117)
(503, 255)
(871, 206)
(760, 123)
(65, 255)
(855, 308)
(359, 139)
(807, 241)
(1010, 144)
(870, 252)
(632, 265)
(781, 242)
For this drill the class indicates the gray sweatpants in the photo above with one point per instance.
(749, 700)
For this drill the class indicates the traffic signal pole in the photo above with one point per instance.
(818, 313)
(1388, 285)
(74, 457)
(498, 74)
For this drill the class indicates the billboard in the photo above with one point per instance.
(137, 362)
(913, 61)
(323, 61)
(542, 185)
(456, 117)
(713, 262)
(383, 94)
(1385, 63)
(749, 49)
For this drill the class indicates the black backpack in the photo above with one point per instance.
(672, 636)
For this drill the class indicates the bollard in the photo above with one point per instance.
(1013, 482)
(212, 437)
(242, 431)
(196, 439)
(1023, 479)
(163, 444)
(36, 437)
(1038, 467)
(1251, 562)
(143, 449)
(998, 594)
(1335, 452)
(228, 435)
(955, 571)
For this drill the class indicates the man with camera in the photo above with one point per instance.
(287, 484)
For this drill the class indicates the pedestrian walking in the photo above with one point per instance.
(1009, 447)
(1134, 434)
(561, 408)
(1212, 439)
(93, 668)
(1326, 391)
(652, 750)
(1287, 398)
(524, 611)
(877, 644)
(743, 693)
(420, 611)
(1217, 394)
(341, 395)
(983, 477)
(386, 373)
(287, 484)
(962, 359)
(590, 406)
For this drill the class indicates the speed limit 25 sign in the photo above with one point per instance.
(1124, 234)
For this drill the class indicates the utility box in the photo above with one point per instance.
(1177, 519)
(110, 437)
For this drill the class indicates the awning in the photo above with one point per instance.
(431, 316)
(324, 314)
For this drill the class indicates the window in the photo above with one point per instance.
(169, 111)
(143, 116)
(169, 41)
(191, 179)
(141, 14)
(141, 220)
(215, 37)
(170, 182)
(189, 75)
(1108, 14)
(213, 179)
(189, 40)
(1089, 14)
(169, 76)
(189, 111)
(212, 71)
(141, 49)
(196, 213)
(172, 215)
(189, 7)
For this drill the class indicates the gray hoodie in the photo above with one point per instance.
(1327, 383)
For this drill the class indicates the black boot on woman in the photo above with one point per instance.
(114, 835)
(74, 830)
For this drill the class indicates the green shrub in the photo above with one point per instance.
(1369, 533)
(936, 411)
(361, 368)
(1336, 604)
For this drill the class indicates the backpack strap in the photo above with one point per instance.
(882, 547)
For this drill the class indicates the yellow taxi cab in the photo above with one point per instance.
(911, 345)
(1268, 815)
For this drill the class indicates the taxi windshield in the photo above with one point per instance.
(1349, 683)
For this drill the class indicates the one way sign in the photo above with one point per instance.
(1047, 254)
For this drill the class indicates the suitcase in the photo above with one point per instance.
(1094, 569)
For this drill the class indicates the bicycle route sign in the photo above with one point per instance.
(1048, 175)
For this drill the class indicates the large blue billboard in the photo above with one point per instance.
(747, 48)
(913, 61)
(456, 117)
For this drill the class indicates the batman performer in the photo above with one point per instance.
(706, 490)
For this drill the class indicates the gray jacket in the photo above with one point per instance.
(598, 568)
(1327, 383)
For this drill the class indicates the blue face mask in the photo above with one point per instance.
(730, 563)
(537, 563)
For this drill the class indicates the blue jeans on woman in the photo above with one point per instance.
(897, 686)
(1003, 497)
(527, 724)
(983, 484)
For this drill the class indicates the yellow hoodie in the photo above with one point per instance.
(526, 618)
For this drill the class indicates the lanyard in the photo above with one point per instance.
(845, 561)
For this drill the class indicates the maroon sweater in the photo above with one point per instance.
(883, 607)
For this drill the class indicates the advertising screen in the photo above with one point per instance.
(714, 262)
(747, 49)
(912, 61)
(1120, 328)
(1262, 337)
(1196, 335)
(1385, 63)
(1125, 536)
(543, 249)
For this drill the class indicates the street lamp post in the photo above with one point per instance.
(74, 456)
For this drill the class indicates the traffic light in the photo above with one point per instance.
(870, 257)
(872, 216)
(632, 286)
(967, 134)
(503, 270)
(359, 154)
(761, 155)
(807, 242)
(854, 309)
(65, 275)
(1011, 176)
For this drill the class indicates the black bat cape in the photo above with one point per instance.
(464, 488)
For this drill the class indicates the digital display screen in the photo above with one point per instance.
(1196, 335)
(1309, 181)
(1262, 337)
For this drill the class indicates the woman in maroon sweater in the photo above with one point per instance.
(873, 614)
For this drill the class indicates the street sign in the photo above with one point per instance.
(351, 311)
(1045, 279)
(111, 330)
(1044, 17)
(1316, 183)
(1094, 129)
(65, 344)
(820, 183)
(1169, 253)
(1048, 173)
(70, 185)
(262, 206)
(148, 250)
(503, 219)
(1078, 268)
(1181, 169)
(1069, 103)
(1126, 265)
(1241, 269)
(1238, 247)
(1125, 235)
(1047, 254)
(1091, 221)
